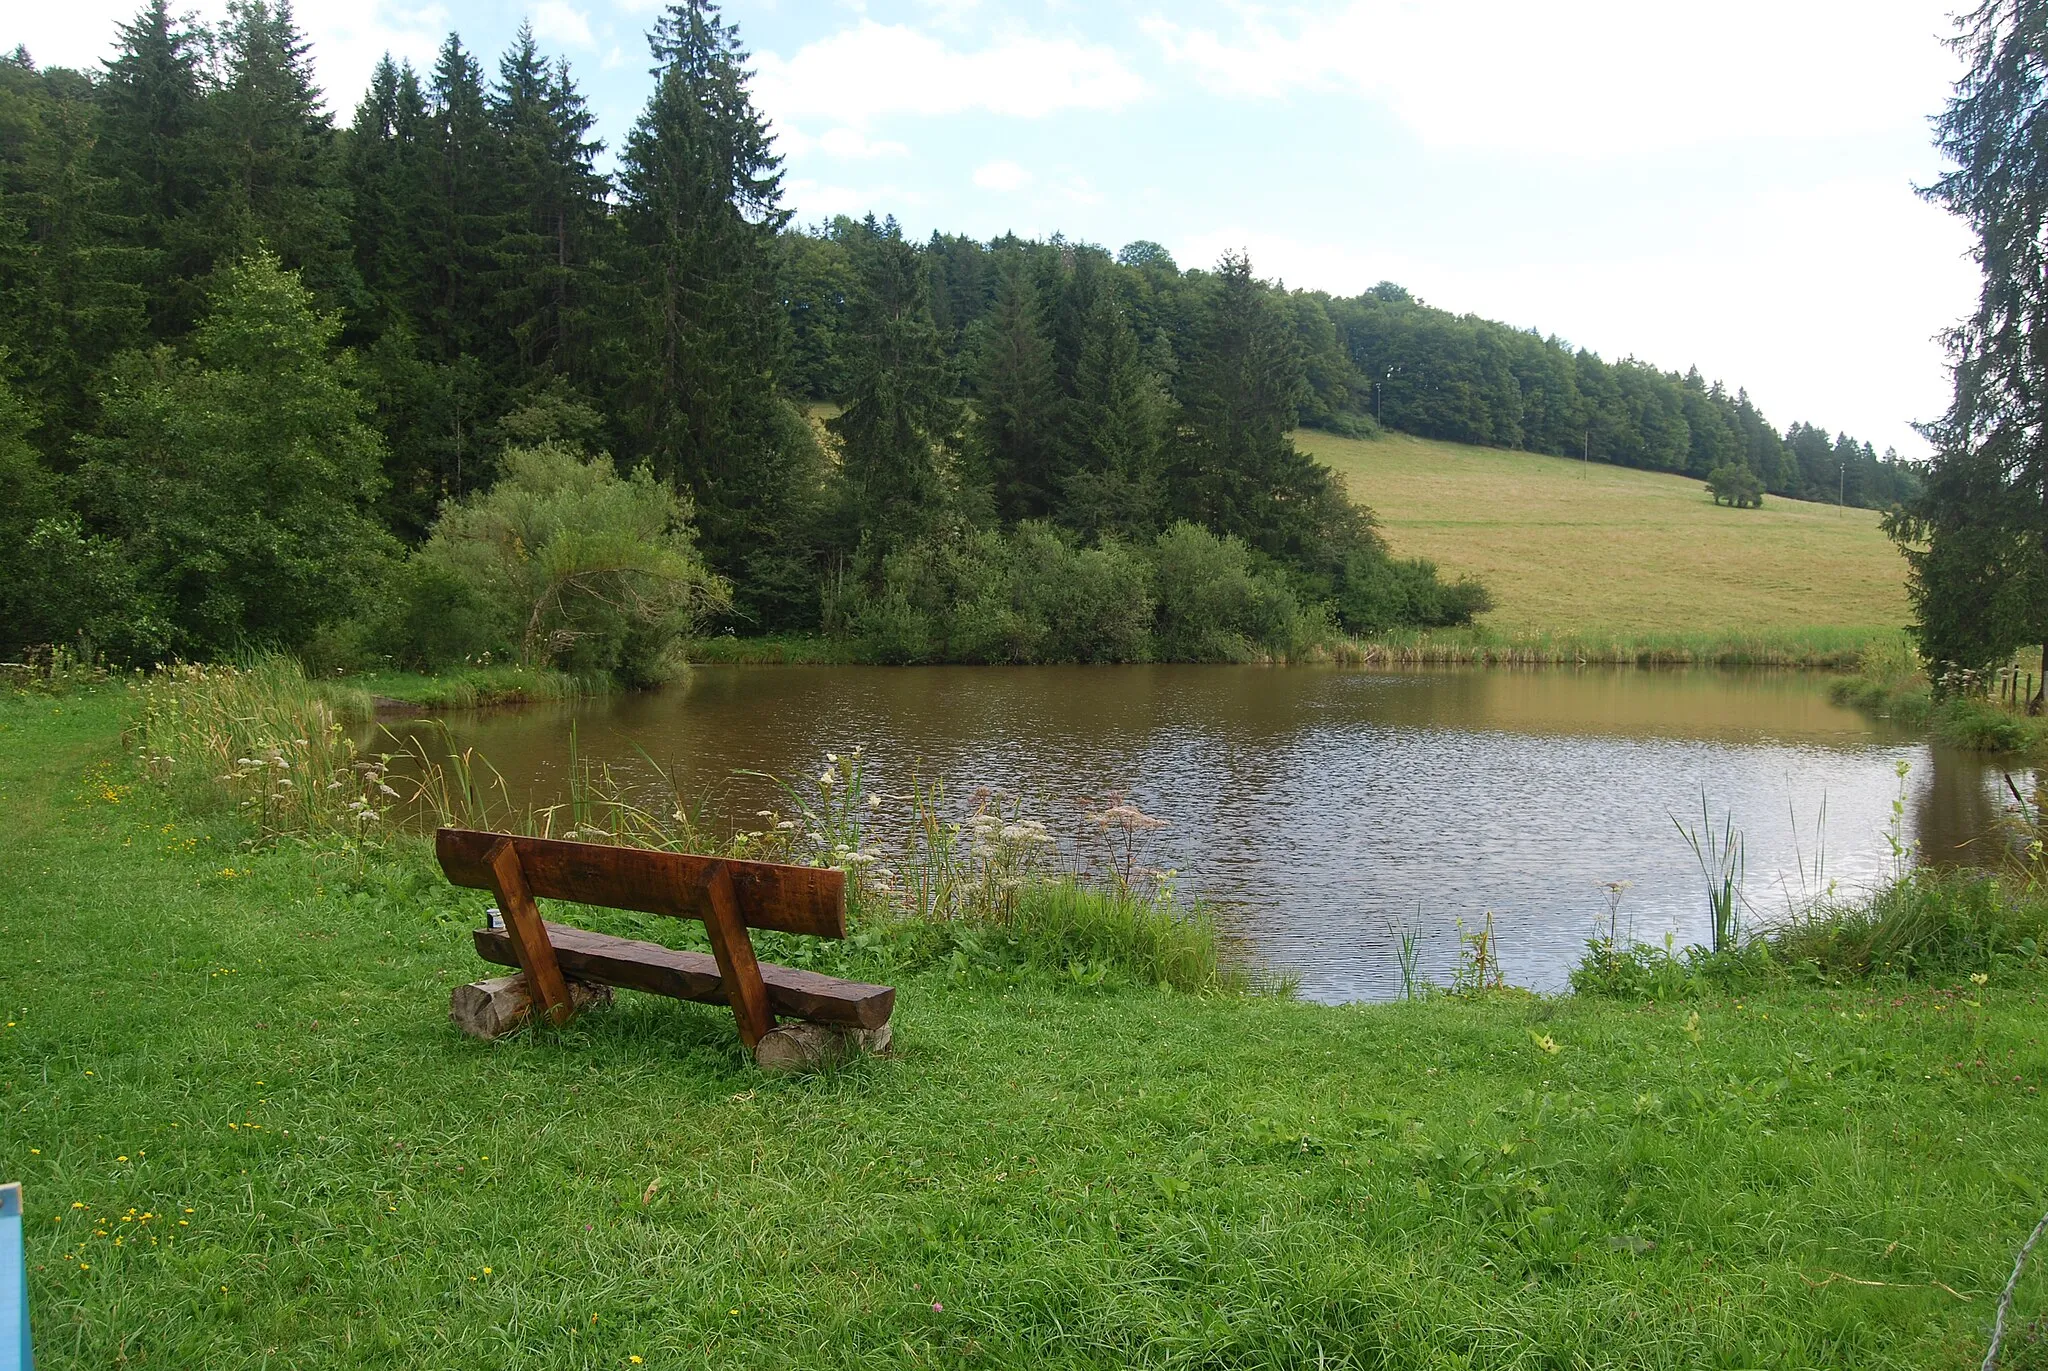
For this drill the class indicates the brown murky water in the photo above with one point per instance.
(1324, 810)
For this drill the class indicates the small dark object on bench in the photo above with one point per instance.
(728, 896)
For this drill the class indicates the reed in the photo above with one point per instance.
(261, 738)
(1720, 857)
(1823, 649)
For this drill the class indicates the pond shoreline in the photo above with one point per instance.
(1809, 649)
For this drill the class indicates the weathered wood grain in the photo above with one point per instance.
(529, 936)
(493, 1008)
(734, 952)
(694, 976)
(789, 899)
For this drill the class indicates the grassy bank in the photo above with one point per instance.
(250, 1137)
(1825, 649)
(362, 695)
(1570, 548)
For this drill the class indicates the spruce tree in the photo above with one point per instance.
(70, 297)
(1111, 477)
(545, 298)
(899, 428)
(696, 363)
(273, 179)
(151, 126)
(1235, 470)
(1017, 396)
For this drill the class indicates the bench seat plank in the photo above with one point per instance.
(632, 965)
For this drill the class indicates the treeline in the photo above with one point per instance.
(1386, 359)
(368, 391)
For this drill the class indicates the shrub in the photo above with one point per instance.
(567, 564)
(1028, 596)
(1381, 593)
(1215, 605)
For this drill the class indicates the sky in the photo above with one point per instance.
(1729, 186)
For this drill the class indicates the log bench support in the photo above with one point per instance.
(564, 969)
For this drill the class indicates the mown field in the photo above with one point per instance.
(1568, 547)
(250, 1138)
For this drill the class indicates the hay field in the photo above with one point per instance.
(1571, 548)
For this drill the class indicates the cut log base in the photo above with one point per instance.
(491, 1009)
(799, 1047)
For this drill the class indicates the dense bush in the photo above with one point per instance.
(1215, 605)
(563, 563)
(1380, 593)
(1027, 596)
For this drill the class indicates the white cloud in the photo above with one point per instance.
(1596, 79)
(557, 21)
(871, 70)
(1001, 175)
(348, 36)
(852, 143)
(1822, 326)
(812, 200)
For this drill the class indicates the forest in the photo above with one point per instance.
(440, 381)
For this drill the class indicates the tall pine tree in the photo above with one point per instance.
(701, 205)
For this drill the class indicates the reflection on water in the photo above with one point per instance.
(1324, 809)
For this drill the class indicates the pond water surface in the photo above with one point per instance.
(1324, 810)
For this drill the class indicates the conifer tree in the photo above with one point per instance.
(701, 205)
(1236, 471)
(1111, 472)
(69, 293)
(900, 424)
(151, 125)
(273, 180)
(1017, 396)
(545, 294)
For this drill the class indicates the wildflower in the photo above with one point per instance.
(938, 1308)
(634, 1360)
(827, 777)
(487, 1270)
(832, 757)
(1976, 978)
(874, 802)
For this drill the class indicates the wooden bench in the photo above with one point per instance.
(563, 969)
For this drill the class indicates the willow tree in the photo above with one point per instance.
(1976, 538)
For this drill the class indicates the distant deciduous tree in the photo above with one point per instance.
(1734, 484)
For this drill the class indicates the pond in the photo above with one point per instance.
(1325, 811)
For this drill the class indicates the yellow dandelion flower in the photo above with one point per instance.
(487, 1270)
(634, 1360)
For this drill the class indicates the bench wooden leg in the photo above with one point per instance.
(529, 934)
(735, 953)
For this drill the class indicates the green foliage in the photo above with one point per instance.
(1027, 596)
(1930, 924)
(1976, 538)
(700, 191)
(898, 434)
(1215, 604)
(239, 480)
(575, 567)
(1736, 485)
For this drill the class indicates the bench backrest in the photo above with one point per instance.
(788, 899)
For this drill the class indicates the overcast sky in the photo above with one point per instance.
(1726, 186)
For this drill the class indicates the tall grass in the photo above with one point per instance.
(1826, 649)
(1720, 858)
(923, 872)
(260, 737)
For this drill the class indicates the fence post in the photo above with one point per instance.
(14, 1349)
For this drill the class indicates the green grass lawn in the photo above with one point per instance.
(250, 1138)
(1568, 547)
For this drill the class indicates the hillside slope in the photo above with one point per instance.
(1569, 547)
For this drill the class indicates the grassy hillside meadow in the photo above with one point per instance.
(1568, 547)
